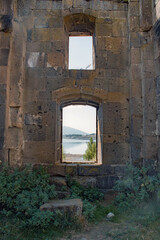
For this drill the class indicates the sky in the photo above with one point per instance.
(82, 117)
(80, 53)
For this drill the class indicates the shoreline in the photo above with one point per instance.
(76, 158)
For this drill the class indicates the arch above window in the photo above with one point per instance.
(81, 24)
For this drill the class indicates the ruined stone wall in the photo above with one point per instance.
(156, 34)
(143, 86)
(5, 35)
(122, 84)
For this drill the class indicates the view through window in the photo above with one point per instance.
(81, 52)
(79, 133)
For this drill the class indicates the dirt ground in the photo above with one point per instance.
(125, 230)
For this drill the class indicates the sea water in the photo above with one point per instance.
(74, 146)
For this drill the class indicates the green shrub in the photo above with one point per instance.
(89, 196)
(23, 192)
(88, 210)
(136, 186)
(90, 153)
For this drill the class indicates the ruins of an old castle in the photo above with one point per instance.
(35, 82)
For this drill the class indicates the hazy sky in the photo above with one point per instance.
(80, 53)
(81, 117)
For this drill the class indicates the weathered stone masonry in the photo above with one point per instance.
(35, 82)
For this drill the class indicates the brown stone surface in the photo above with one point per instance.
(74, 206)
(35, 82)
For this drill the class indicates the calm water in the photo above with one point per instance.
(75, 146)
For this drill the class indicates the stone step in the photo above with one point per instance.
(59, 182)
(73, 206)
(63, 194)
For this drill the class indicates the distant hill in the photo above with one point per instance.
(70, 131)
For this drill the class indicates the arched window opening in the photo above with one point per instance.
(79, 134)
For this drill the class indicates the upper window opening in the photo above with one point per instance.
(80, 42)
(81, 52)
(79, 134)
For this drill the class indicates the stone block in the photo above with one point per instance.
(135, 39)
(107, 170)
(120, 170)
(57, 170)
(3, 75)
(119, 28)
(106, 182)
(2, 93)
(151, 147)
(136, 148)
(136, 71)
(56, 22)
(4, 57)
(35, 133)
(1, 137)
(115, 153)
(135, 56)
(85, 170)
(134, 8)
(39, 152)
(36, 59)
(14, 136)
(134, 23)
(2, 116)
(5, 7)
(71, 169)
(59, 182)
(73, 206)
(63, 194)
(86, 181)
(55, 59)
(146, 16)
(115, 44)
(104, 29)
(4, 40)
(117, 59)
(15, 117)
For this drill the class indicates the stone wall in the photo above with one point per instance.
(5, 34)
(39, 82)
(156, 32)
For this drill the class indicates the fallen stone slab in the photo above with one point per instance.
(72, 205)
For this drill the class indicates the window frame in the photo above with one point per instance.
(98, 132)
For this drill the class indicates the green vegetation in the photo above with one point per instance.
(136, 206)
(63, 154)
(21, 195)
(136, 186)
(90, 197)
(90, 153)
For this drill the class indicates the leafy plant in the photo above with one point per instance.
(89, 196)
(90, 153)
(136, 186)
(23, 192)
